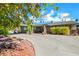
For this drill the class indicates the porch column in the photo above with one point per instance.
(45, 29)
(74, 30)
(70, 30)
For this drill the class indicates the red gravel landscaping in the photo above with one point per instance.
(16, 47)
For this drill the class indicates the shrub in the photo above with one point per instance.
(65, 30)
(54, 30)
(60, 30)
(29, 29)
(3, 31)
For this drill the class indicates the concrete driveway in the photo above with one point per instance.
(53, 45)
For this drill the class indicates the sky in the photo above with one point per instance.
(71, 8)
(70, 11)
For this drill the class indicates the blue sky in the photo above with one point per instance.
(71, 10)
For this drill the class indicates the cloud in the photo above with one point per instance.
(42, 12)
(68, 19)
(51, 13)
(49, 18)
(48, 15)
(64, 15)
(58, 17)
(30, 17)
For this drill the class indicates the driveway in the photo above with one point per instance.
(53, 45)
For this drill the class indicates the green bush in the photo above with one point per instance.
(65, 30)
(3, 31)
(54, 30)
(60, 30)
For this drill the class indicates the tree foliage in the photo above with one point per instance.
(10, 13)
